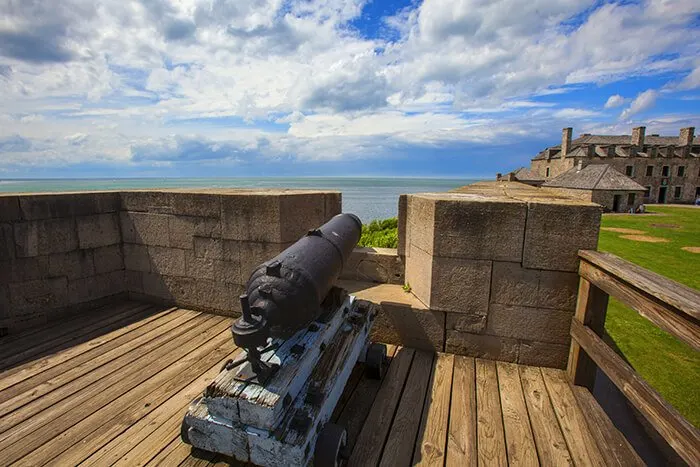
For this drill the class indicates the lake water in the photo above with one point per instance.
(369, 198)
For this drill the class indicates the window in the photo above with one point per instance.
(650, 170)
(664, 171)
(677, 192)
(546, 172)
(681, 170)
(647, 192)
(630, 200)
(629, 170)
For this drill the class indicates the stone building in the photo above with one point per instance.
(601, 184)
(668, 167)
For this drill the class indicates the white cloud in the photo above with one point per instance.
(644, 101)
(123, 72)
(613, 101)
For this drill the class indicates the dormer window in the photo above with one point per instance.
(629, 171)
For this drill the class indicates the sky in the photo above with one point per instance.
(446, 88)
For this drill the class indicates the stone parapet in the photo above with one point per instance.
(60, 252)
(499, 259)
(379, 265)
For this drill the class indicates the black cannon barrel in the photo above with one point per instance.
(284, 294)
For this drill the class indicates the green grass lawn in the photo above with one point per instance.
(670, 366)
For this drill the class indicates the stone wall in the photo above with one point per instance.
(59, 254)
(377, 265)
(63, 253)
(499, 261)
(197, 250)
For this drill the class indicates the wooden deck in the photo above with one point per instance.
(112, 388)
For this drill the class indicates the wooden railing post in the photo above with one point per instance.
(591, 307)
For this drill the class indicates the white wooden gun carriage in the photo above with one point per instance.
(282, 419)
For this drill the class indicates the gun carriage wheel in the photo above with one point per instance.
(376, 361)
(330, 445)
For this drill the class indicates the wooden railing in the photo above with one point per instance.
(671, 306)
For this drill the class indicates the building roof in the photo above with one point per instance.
(524, 173)
(594, 177)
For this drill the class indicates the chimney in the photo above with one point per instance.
(638, 136)
(566, 141)
(579, 165)
(686, 137)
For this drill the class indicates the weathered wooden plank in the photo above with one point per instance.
(668, 291)
(31, 433)
(23, 372)
(131, 406)
(520, 443)
(43, 382)
(676, 430)
(107, 446)
(431, 443)
(582, 446)
(62, 387)
(491, 443)
(591, 309)
(53, 344)
(360, 403)
(681, 323)
(174, 452)
(370, 442)
(400, 445)
(612, 444)
(461, 441)
(549, 440)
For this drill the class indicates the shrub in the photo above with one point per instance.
(380, 233)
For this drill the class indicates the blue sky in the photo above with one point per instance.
(328, 87)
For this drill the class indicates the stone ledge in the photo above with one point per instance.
(380, 265)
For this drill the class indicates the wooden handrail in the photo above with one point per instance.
(671, 306)
(683, 437)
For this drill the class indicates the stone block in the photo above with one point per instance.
(479, 228)
(48, 206)
(98, 230)
(133, 281)
(419, 269)
(420, 223)
(403, 202)
(183, 228)
(57, 236)
(107, 201)
(558, 290)
(537, 324)
(334, 203)
(7, 242)
(214, 269)
(400, 324)
(482, 346)
(196, 204)
(4, 303)
(298, 213)
(543, 354)
(251, 217)
(26, 237)
(152, 201)
(250, 255)
(381, 265)
(203, 294)
(460, 285)
(73, 265)
(511, 284)
(95, 287)
(555, 233)
(136, 257)
(154, 285)
(9, 209)
(24, 269)
(210, 248)
(167, 261)
(39, 295)
(145, 228)
(466, 322)
(108, 259)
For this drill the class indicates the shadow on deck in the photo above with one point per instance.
(112, 388)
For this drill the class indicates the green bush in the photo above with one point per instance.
(381, 234)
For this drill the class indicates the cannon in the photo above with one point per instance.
(284, 294)
(299, 338)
